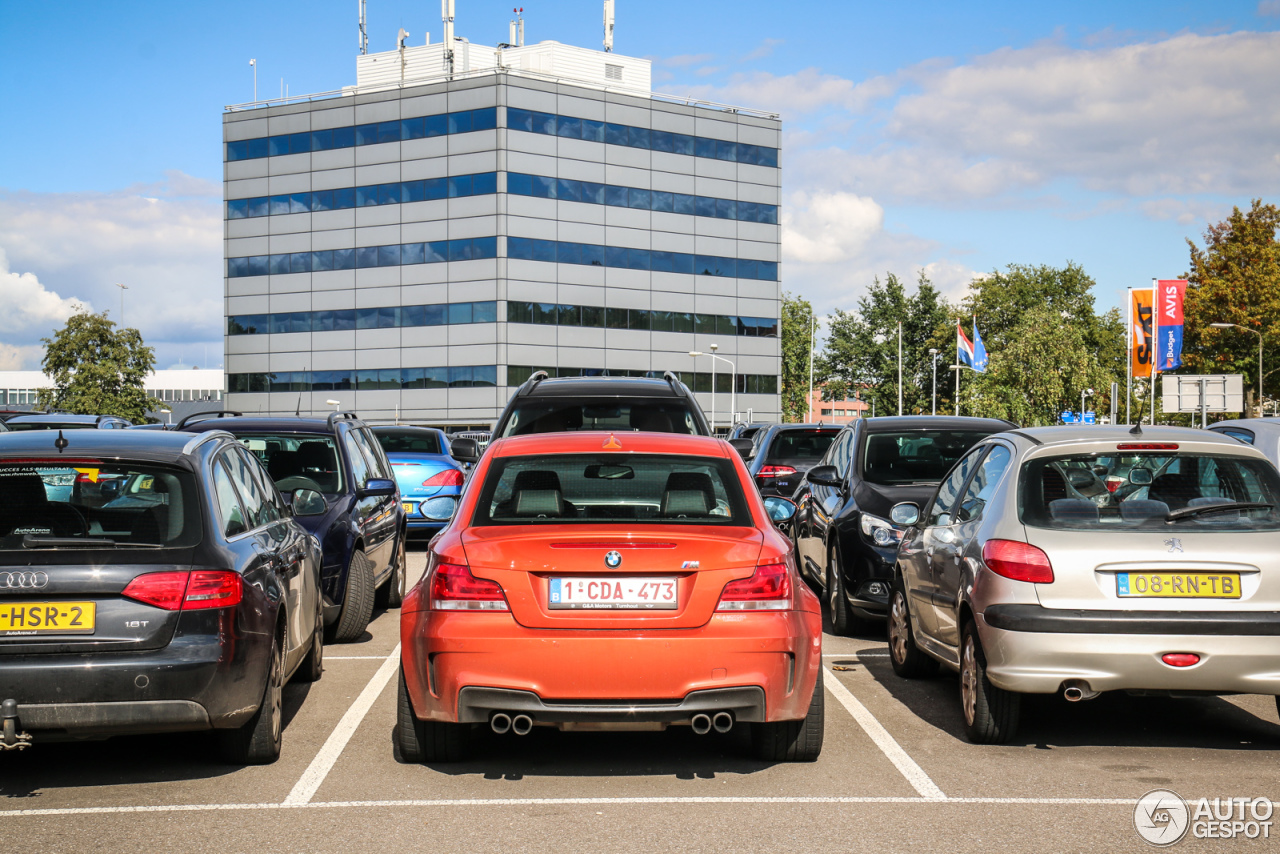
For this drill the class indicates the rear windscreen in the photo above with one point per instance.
(653, 415)
(97, 503)
(297, 460)
(917, 456)
(802, 444)
(1151, 491)
(567, 489)
(409, 441)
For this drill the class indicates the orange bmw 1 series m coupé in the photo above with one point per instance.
(593, 581)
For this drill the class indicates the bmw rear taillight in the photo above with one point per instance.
(1017, 561)
(187, 591)
(775, 471)
(768, 589)
(454, 588)
(448, 477)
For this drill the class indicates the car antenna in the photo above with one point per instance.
(297, 410)
(61, 442)
(1137, 428)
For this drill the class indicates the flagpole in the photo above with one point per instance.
(1128, 358)
(899, 367)
(1155, 346)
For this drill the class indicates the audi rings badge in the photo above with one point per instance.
(23, 580)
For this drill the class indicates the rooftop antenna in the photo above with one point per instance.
(511, 32)
(608, 26)
(364, 32)
(519, 26)
(446, 15)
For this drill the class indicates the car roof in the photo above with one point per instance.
(1121, 434)
(259, 424)
(819, 426)
(151, 443)
(593, 442)
(603, 387)
(62, 418)
(887, 423)
(1254, 424)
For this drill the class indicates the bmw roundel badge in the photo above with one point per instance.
(613, 560)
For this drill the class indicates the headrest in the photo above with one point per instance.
(21, 490)
(536, 479)
(316, 455)
(1074, 510)
(650, 419)
(1142, 509)
(538, 502)
(283, 464)
(688, 493)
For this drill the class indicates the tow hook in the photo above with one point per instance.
(12, 739)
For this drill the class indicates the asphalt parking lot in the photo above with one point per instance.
(895, 774)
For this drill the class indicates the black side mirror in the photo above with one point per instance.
(465, 450)
(824, 476)
(378, 486)
(742, 446)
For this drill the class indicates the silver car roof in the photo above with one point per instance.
(1058, 437)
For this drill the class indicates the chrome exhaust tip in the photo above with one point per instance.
(521, 724)
(500, 723)
(1077, 690)
(723, 722)
(701, 724)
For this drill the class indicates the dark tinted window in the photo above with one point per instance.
(611, 487)
(917, 456)
(801, 444)
(654, 415)
(409, 441)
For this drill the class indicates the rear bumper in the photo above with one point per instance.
(475, 705)
(1035, 618)
(1234, 658)
(104, 719)
(447, 656)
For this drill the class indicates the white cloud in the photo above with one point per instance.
(28, 310)
(24, 358)
(824, 228)
(162, 239)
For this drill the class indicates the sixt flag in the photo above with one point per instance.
(1169, 294)
(971, 353)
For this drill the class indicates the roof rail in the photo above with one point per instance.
(212, 413)
(335, 417)
(671, 378)
(201, 438)
(534, 378)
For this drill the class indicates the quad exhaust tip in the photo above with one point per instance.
(521, 724)
(723, 722)
(500, 723)
(701, 723)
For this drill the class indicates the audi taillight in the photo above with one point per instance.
(775, 471)
(454, 588)
(768, 589)
(1017, 561)
(448, 477)
(187, 591)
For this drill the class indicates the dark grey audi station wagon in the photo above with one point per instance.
(151, 582)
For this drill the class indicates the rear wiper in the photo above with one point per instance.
(31, 541)
(1188, 512)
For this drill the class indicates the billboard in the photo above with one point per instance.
(1222, 393)
(1141, 332)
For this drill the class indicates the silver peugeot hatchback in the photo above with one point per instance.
(1091, 559)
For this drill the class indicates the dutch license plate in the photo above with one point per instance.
(408, 507)
(1178, 585)
(621, 593)
(46, 618)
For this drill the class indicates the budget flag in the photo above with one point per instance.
(1170, 293)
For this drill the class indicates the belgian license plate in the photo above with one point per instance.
(46, 618)
(619, 593)
(1178, 585)
(408, 507)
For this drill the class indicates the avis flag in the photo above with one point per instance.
(1169, 294)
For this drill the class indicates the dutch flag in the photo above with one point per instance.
(971, 353)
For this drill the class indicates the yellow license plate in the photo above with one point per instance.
(1178, 585)
(47, 618)
(408, 507)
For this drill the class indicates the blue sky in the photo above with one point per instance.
(953, 138)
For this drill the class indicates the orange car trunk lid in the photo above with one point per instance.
(536, 565)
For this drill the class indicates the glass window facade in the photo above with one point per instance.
(381, 379)
(394, 255)
(562, 252)
(520, 184)
(695, 380)
(482, 184)
(464, 121)
(642, 319)
(386, 317)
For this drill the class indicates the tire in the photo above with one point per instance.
(313, 666)
(258, 741)
(391, 594)
(357, 605)
(426, 741)
(990, 713)
(792, 741)
(908, 660)
(843, 621)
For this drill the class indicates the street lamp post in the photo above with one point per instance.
(733, 382)
(122, 288)
(254, 63)
(813, 331)
(899, 367)
(1259, 334)
(1086, 392)
(933, 355)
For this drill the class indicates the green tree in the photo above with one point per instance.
(1046, 344)
(1235, 278)
(861, 349)
(96, 368)
(797, 323)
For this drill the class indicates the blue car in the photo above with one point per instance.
(430, 480)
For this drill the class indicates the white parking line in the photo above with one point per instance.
(888, 746)
(354, 657)
(855, 655)
(525, 802)
(305, 789)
